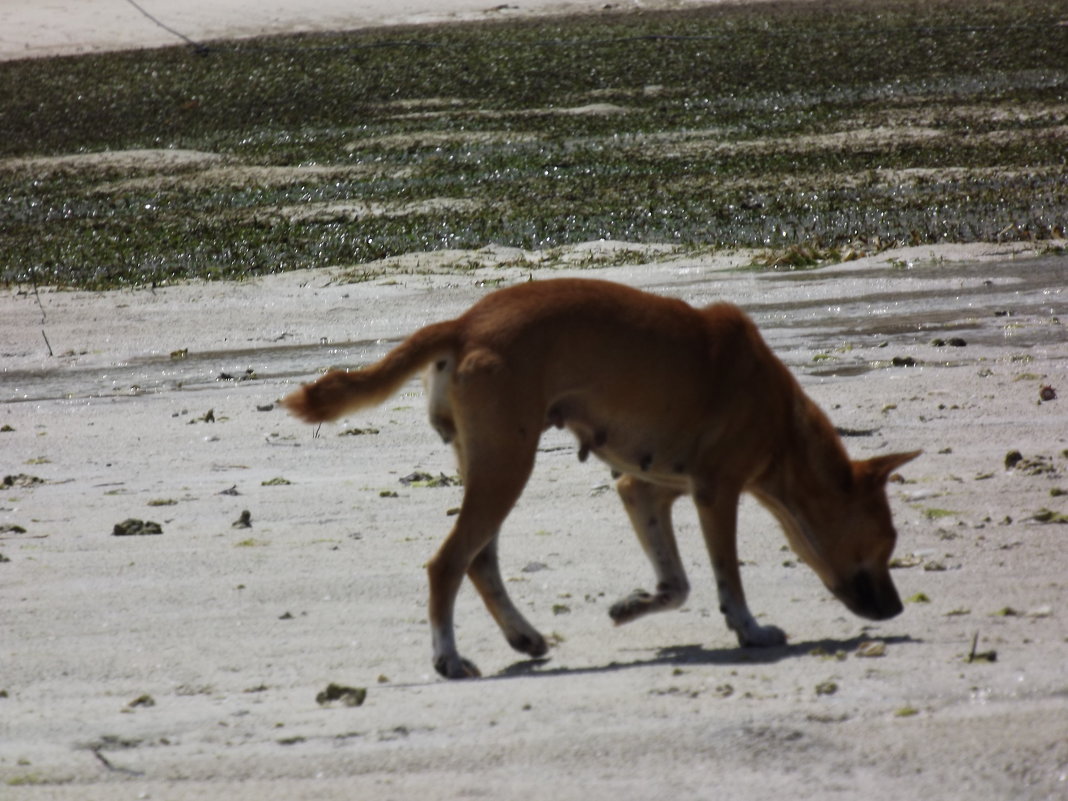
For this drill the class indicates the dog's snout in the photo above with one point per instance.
(872, 597)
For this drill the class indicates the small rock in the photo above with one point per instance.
(244, 521)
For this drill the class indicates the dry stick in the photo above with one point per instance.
(980, 656)
(975, 643)
(107, 764)
(37, 295)
(44, 316)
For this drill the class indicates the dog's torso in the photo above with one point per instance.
(649, 385)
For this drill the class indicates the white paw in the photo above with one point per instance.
(753, 635)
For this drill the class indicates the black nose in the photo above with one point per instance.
(870, 597)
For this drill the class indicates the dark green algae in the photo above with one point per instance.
(722, 126)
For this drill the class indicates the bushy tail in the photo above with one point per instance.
(340, 391)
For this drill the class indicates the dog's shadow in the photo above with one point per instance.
(681, 655)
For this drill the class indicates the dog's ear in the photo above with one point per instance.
(877, 470)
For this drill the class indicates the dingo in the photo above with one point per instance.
(677, 400)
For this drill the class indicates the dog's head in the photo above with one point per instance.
(847, 536)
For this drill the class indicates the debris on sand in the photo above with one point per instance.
(419, 479)
(248, 375)
(980, 656)
(21, 481)
(244, 521)
(1044, 515)
(132, 527)
(1030, 465)
(145, 700)
(871, 649)
(349, 696)
(953, 342)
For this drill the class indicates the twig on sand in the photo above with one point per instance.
(107, 764)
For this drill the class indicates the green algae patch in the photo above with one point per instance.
(818, 132)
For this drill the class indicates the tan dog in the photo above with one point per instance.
(676, 399)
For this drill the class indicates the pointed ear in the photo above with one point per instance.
(878, 469)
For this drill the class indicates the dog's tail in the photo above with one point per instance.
(340, 391)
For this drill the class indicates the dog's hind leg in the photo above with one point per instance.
(485, 574)
(497, 456)
(717, 509)
(649, 509)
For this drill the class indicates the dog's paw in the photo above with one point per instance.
(455, 666)
(531, 644)
(640, 602)
(755, 636)
(633, 606)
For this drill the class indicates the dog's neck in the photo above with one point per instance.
(809, 470)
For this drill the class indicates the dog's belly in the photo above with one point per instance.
(662, 458)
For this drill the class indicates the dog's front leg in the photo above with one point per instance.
(649, 509)
(718, 512)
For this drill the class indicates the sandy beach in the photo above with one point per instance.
(72, 27)
(186, 664)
